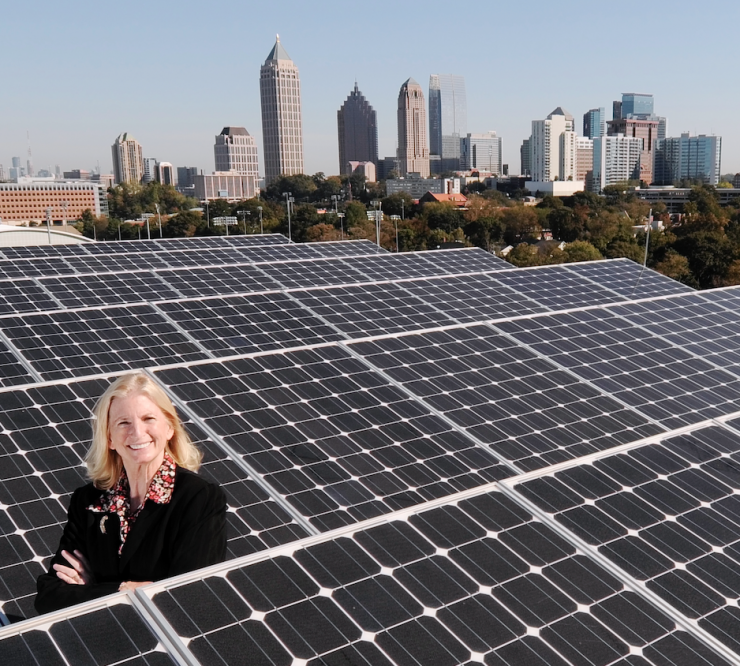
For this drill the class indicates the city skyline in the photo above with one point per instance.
(76, 130)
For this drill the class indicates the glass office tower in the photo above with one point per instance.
(448, 118)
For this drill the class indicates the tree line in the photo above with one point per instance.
(700, 247)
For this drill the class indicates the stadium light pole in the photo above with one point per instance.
(378, 217)
(159, 219)
(288, 200)
(259, 208)
(395, 219)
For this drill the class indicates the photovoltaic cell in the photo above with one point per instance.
(526, 409)
(114, 263)
(335, 439)
(85, 342)
(304, 274)
(396, 266)
(628, 279)
(372, 309)
(556, 287)
(245, 324)
(664, 382)
(74, 291)
(471, 298)
(667, 514)
(112, 635)
(478, 582)
(218, 280)
(466, 260)
(19, 268)
(24, 296)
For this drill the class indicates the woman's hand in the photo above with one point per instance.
(80, 571)
(131, 585)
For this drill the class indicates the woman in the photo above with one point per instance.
(146, 515)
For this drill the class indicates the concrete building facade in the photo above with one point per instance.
(413, 149)
(282, 130)
(357, 126)
(29, 198)
(688, 158)
(235, 150)
(584, 158)
(638, 128)
(481, 152)
(617, 158)
(552, 147)
(128, 159)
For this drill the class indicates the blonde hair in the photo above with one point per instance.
(103, 464)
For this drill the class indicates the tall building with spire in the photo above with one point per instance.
(282, 131)
(357, 124)
(413, 149)
(128, 159)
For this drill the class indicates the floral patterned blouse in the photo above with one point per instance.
(117, 499)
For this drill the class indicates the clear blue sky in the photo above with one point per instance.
(173, 74)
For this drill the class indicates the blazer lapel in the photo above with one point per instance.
(145, 523)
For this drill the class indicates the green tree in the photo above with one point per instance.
(355, 213)
(521, 223)
(676, 266)
(581, 251)
(564, 224)
(301, 186)
(444, 216)
(187, 223)
(524, 255)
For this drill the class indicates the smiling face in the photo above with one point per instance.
(138, 431)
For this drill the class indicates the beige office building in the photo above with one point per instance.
(236, 151)
(128, 159)
(29, 199)
(413, 147)
(282, 132)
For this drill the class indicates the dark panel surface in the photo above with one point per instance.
(218, 280)
(333, 437)
(529, 411)
(244, 324)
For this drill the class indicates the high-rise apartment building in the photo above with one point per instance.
(185, 176)
(688, 158)
(150, 170)
(357, 125)
(637, 128)
(282, 132)
(165, 173)
(525, 153)
(235, 150)
(482, 152)
(128, 160)
(584, 158)
(594, 123)
(616, 159)
(413, 150)
(448, 118)
(552, 146)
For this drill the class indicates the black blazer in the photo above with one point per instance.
(167, 539)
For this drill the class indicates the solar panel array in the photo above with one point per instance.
(430, 458)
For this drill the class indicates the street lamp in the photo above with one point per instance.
(395, 219)
(244, 213)
(159, 219)
(259, 208)
(341, 224)
(378, 217)
(288, 201)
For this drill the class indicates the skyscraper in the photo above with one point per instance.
(448, 118)
(235, 150)
(282, 133)
(482, 152)
(357, 125)
(616, 159)
(688, 157)
(553, 147)
(594, 123)
(128, 161)
(413, 150)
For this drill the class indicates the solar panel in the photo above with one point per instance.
(372, 309)
(666, 514)
(87, 342)
(397, 266)
(18, 268)
(479, 581)
(304, 274)
(24, 296)
(107, 289)
(89, 635)
(218, 280)
(666, 383)
(556, 287)
(466, 260)
(335, 439)
(245, 324)
(627, 278)
(471, 298)
(530, 412)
